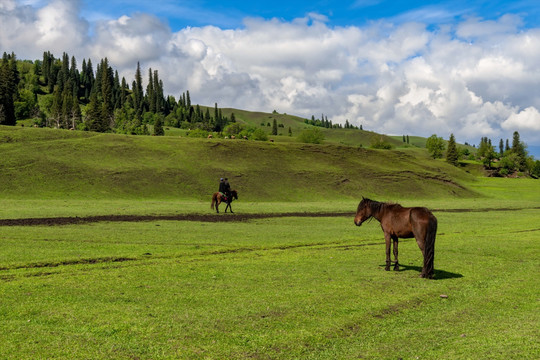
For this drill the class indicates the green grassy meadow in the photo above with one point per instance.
(274, 288)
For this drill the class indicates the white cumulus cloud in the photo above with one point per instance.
(526, 120)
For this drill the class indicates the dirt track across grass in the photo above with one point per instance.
(136, 218)
(68, 220)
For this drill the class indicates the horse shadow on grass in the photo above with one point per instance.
(438, 275)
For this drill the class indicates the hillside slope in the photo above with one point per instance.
(48, 163)
(264, 121)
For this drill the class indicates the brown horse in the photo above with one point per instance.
(218, 197)
(399, 222)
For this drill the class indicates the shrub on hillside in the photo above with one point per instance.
(198, 133)
(381, 144)
(233, 129)
(259, 135)
(311, 136)
(435, 146)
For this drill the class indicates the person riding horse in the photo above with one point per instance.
(225, 188)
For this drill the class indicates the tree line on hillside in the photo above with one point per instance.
(509, 160)
(55, 93)
(325, 123)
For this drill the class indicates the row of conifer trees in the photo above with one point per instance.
(58, 94)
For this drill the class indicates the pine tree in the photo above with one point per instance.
(87, 80)
(123, 92)
(451, 151)
(76, 114)
(486, 152)
(74, 73)
(518, 148)
(46, 66)
(63, 78)
(9, 79)
(274, 127)
(188, 99)
(93, 114)
(150, 93)
(117, 91)
(107, 105)
(137, 91)
(158, 126)
(159, 100)
(207, 118)
(56, 108)
(67, 103)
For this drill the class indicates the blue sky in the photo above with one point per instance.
(471, 68)
(230, 14)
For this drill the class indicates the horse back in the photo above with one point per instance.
(396, 221)
(422, 215)
(407, 222)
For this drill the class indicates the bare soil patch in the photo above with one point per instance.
(54, 221)
(69, 220)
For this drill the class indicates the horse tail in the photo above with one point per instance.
(213, 201)
(429, 247)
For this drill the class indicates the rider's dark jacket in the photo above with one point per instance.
(222, 188)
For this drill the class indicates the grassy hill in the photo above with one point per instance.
(264, 121)
(49, 163)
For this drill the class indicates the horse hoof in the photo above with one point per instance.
(396, 268)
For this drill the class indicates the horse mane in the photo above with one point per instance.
(377, 206)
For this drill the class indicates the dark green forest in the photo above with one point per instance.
(55, 93)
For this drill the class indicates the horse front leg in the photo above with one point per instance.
(388, 243)
(396, 266)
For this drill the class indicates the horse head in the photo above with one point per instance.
(234, 194)
(363, 212)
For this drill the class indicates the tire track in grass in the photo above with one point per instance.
(147, 256)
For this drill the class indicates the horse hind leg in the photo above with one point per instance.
(396, 265)
(421, 241)
(388, 245)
